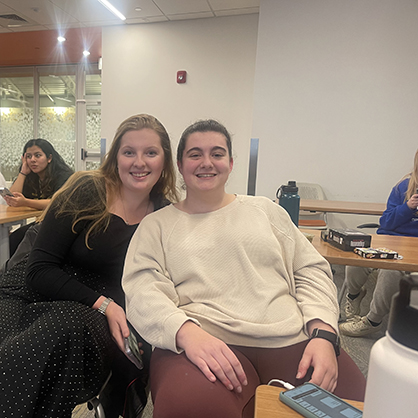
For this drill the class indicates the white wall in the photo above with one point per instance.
(336, 95)
(140, 63)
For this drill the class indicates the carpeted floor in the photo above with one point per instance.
(358, 348)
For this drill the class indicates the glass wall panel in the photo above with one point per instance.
(16, 120)
(41, 102)
(57, 110)
(94, 117)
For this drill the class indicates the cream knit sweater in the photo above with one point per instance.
(244, 273)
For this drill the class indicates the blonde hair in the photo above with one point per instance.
(84, 198)
(166, 185)
(87, 195)
(413, 179)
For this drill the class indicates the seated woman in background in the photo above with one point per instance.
(60, 331)
(42, 173)
(231, 293)
(399, 218)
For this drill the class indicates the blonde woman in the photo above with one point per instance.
(63, 332)
(399, 218)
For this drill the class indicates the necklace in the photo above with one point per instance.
(126, 218)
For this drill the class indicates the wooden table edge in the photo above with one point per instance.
(24, 213)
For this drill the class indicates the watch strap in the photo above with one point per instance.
(333, 338)
(104, 305)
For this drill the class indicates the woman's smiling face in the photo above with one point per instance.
(140, 160)
(206, 162)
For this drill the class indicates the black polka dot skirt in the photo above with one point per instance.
(53, 354)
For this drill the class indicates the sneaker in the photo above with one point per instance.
(358, 328)
(352, 306)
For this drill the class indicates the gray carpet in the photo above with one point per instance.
(357, 348)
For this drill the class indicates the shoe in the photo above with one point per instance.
(358, 328)
(352, 306)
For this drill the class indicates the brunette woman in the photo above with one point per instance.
(235, 294)
(42, 173)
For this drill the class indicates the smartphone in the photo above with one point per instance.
(311, 401)
(132, 349)
(4, 191)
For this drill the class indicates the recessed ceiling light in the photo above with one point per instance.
(138, 9)
(113, 9)
(61, 39)
(86, 53)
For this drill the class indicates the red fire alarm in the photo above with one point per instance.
(181, 77)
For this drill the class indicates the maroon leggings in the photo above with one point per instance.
(180, 390)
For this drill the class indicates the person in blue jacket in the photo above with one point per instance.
(401, 214)
(399, 218)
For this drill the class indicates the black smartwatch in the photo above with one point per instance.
(333, 338)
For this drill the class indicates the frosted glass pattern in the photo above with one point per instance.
(57, 125)
(94, 122)
(16, 128)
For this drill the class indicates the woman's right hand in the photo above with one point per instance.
(116, 319)
(413, 202)
(17, 200)
(212, 356)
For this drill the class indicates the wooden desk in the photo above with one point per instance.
(268, 405)
(357, 208)
(405, 246)
(10, 216)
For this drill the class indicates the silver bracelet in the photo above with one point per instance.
(104, 305)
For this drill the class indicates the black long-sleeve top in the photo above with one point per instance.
(57, 245)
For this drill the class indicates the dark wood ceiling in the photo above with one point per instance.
(42, 47)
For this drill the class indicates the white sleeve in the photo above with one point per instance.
(151, 297)
(315, 291)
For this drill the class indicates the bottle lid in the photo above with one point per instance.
(290, 187)
(403, 317)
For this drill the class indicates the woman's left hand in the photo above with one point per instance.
(320, 355)
(17, 200)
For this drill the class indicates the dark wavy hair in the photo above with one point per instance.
(53, 169)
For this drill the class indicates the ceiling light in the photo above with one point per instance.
(61, 39)
(86, 53)
(138, 9)
(113, 9)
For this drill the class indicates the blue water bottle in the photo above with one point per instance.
(290, 200)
